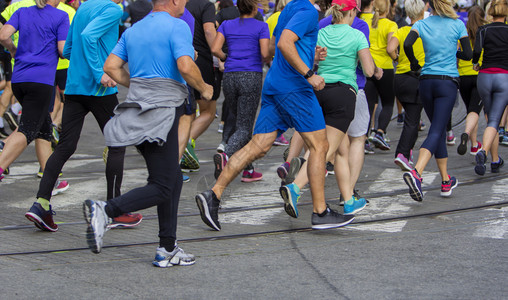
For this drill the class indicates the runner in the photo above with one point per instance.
(157, 90)
(438, 87)
(292, 104)
(492, 81)
(406, 85)
(247, 41)
(88, 89)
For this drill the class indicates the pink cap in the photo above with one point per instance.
(348, 4)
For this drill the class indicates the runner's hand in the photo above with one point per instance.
(317, 82)
(207, 94)
(321, 53)
(106, 81)
(378, 73)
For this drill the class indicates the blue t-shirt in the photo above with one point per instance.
(242, 38)
(40, 29)
(301, 17)
(358, 24)
(440, 36)
(168, 39)
(189, 19)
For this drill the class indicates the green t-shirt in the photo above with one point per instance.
(343, 43)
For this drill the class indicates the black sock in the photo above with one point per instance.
(323, 213)
(445, 182)
(167, 243)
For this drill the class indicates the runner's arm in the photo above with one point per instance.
(113, 67)
(190, 72)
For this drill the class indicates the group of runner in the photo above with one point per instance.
(329, 65)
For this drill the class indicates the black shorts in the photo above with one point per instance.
(469, 93)
(61, 79)
(406, 88)
(206, 68)
(5, 58)
(189, 103)
(338, 102)
(35, 120)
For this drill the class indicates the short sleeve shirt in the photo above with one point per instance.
(40, 29)
(168, 38)
(440, 36)
(242, 37)
(203, 12)
(343, 43)
(300, 17)
(379, 41)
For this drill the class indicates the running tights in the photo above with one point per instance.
(493, 90)
(75, 110)
(438, 97)
(384, 89)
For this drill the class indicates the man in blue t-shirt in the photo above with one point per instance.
(288, 100)
(148, 119)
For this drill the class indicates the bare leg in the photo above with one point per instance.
(472, 127)
(13, 148)
(423, 159)
(43, 151)
(5, 99)
(206, 116)
(342, 172)
(296, 146)
(356, 158)
(255, 149)
(442, 165)
(490, 137)
(184, 127)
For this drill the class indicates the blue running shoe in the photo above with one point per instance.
(290, 193)
(354, 205)
(414, 182)
(185, 178)
(481, 159)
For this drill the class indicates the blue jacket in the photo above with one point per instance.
(92, 36)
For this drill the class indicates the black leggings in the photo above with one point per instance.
(35, 120)
(469, 93)
(75, 110)
(384, 89)
(406, 90)
(163, 187)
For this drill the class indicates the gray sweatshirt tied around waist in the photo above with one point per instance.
(147, 114)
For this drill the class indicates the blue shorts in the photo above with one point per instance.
(299, 110)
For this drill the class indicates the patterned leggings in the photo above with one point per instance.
(242, 91)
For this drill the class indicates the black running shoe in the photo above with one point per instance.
(3, 134)
(495, 166)
(462, 148)
(294, 167)
(380, 142)
(11, 119)
(332, 219)
(208, 205)
(330, 168)
(481, 159)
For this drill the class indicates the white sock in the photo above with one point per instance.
(16, 108)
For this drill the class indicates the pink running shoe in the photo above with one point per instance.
(283, 170)
(475, 150)
(251, 175)
(219, 160)
(60, 187)
(402, 162)
(281, 141)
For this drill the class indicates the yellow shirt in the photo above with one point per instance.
(367, 17)
(404, 65)
(378, 42)
(62, 62)
(272, 22)
(466, 66)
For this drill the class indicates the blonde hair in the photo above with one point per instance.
(498, 8)
(381, 7)
(444, 8)
(414, 8)
(282, 4)
(41, 3)
(336, 12)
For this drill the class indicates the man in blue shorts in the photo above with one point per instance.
(148, 119)
(288, 100)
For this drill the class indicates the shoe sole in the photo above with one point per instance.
(205, 213)
(414, 192)
(330, 226)
(294, 167)
(38, 222)
(402, 165)
(480, 167)
(449, 193)
(280, 144)
(186, 180)
(462, 148)
(290, 209)
(218, 161)
(282, 172)
(124, 225)
(190, 160)
(247, 179)
(59, 191)
(13, 124)
(379, 144)
(91, 237)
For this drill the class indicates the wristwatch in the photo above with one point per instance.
(308, 74)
